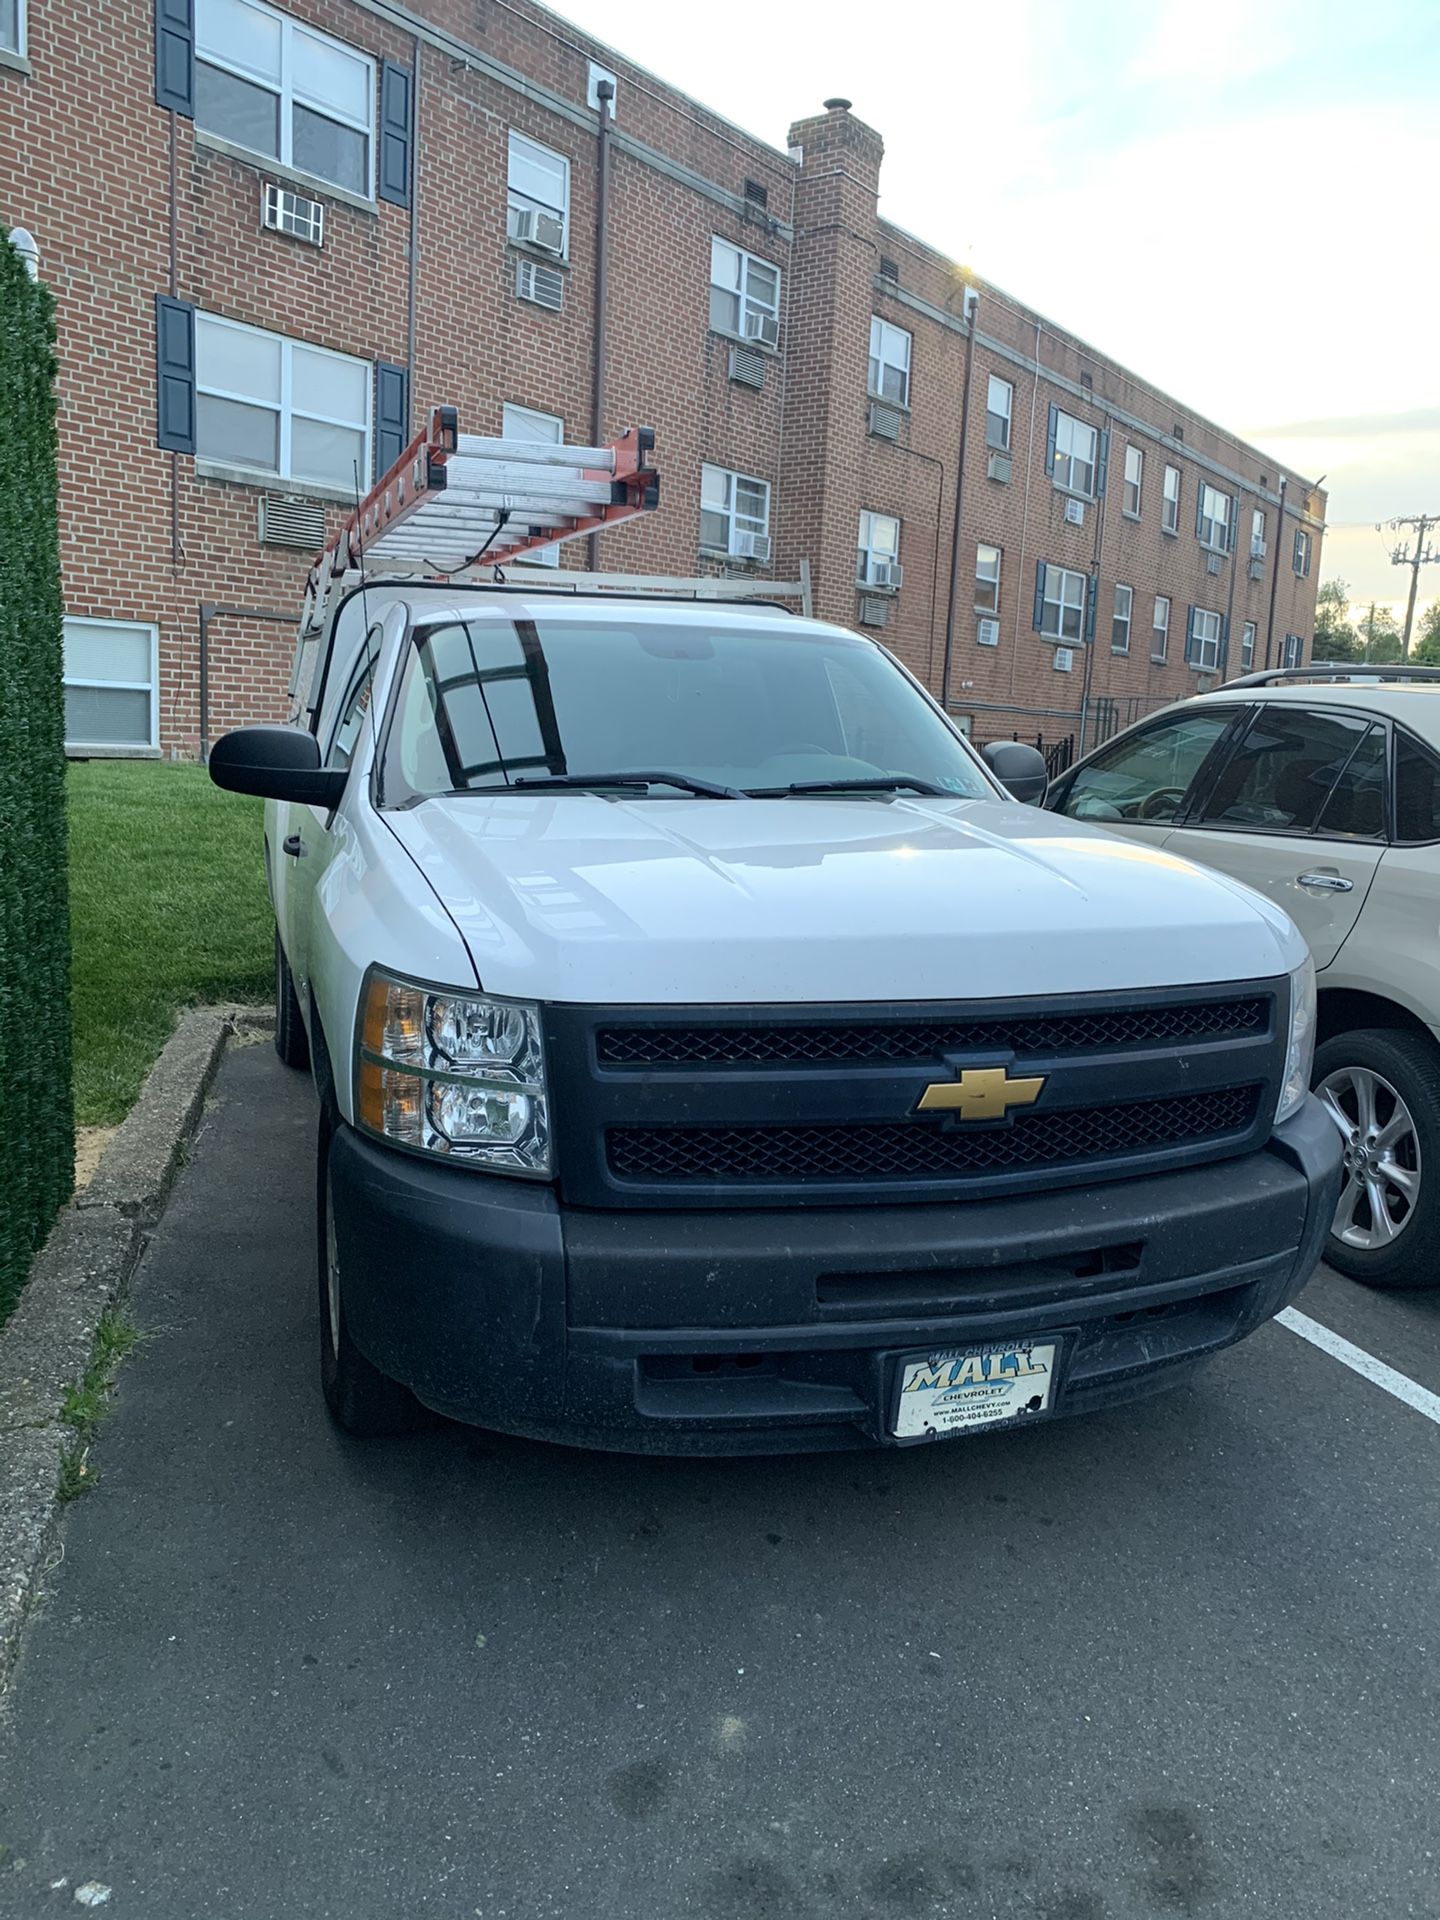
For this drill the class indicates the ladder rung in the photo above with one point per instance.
(536, 452)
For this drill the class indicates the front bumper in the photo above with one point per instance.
(759, 1331)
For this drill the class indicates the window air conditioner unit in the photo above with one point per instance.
(1258, 548)
(885, 574)
(998, 468)
(750, 546)
(1212, 563)
(987, 633)
(284, 211)
(537, 229)
(290, 520)
(1075, 512)
(763, 327)
(884, 421)
(1064, 660)
(544, 286)
(747, 368)
(874, 610)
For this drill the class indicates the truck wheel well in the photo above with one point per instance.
(1346, 1009)
(324, 1072)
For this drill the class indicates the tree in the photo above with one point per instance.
(1335, 637)
(1379, 633)
(1425, 647)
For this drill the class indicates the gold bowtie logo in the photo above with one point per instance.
(981, 1093)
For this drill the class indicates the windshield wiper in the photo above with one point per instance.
(704, 789)
(895, 783)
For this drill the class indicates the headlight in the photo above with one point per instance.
(1300, 1054)
(460, 1075)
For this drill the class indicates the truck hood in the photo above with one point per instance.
(582, 898)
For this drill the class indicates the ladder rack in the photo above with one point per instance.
(453, 501)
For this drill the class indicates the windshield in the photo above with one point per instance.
(491, 701)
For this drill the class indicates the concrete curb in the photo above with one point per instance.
(83, 1268)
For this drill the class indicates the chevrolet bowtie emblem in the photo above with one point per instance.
(981, 1093)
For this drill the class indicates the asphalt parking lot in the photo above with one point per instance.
(1175, 1660)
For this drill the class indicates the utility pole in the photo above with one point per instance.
(1423, 556)
(1370, 632)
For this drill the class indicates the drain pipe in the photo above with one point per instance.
(605, 94)
(1275, 569)
(972, 307)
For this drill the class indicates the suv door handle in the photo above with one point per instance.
(293, 844)
(1326, 882)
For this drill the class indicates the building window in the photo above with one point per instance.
(744, 294)
(538, 206)
(1212, 518)
(1120, 628)
(999, 408)
(987, 579)
(734, 513)
(1294, 649)
(279, 89)
(1075, 448)
(1160, 629)
(878, 561)
(1247, 646)
(547, 429)
(1300, 554)
(1257, 535)
(278, 406)
(12, 26)
(111, 675)
(1170, 502)
(1202, 649)
(1134, 474)
(1062, 603)
(889, 363)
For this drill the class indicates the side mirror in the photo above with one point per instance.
(1021, 770)
(277, 763)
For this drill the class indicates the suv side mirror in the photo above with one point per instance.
(1021, 770)
(277, 763)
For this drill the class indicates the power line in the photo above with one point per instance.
(1423, 556)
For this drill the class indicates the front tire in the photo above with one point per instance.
(291, 1042)
(362, 1400)
(1382, 1091)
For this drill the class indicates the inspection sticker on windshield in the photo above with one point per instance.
(974, 1387)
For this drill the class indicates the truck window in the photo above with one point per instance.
(488, 700)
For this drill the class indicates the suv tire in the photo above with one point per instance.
(362, 1400)
(1386, 1087)
(291, 1041)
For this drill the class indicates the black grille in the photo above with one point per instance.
(923, 1149)
(845, 1041)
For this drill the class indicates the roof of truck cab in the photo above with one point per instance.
(613, 609)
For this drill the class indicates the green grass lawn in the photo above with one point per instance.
(168, 910)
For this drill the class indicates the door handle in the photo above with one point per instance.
(294, 845)
(1326, 882)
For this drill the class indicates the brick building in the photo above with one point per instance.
(277, 233)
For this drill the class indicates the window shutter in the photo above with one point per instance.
(1051, 433)
(175, 56)
(392, 415)
(395, 133)
(1234, 521)
(1199, 506)
(1104, 468)
(1224, 656)
(1092, 594)
(1192, 645)
(1040, 590)
(174, 374)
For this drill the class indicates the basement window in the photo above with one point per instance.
(111, 677)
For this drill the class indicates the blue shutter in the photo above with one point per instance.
(1199, 505)
(1092, 594)
(1224, 656)
(1234, 521)
(174, 374)
(1040, 590)
(395, 134)
(1050, 433)
(1104, 467)
(175, 56)
(392, 415)
(1192, 645)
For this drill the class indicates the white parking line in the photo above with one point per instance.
(1365, 1364)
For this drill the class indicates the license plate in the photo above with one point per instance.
(966, 1387)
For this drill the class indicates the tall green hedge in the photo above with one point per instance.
(37, 1144)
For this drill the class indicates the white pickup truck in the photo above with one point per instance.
(713, 1056)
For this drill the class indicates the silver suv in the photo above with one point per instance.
(1326, 797)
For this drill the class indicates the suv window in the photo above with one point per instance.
(1280, 775)
(1356, 807)
(1417, 791)
(1146, 775)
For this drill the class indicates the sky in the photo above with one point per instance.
(1236, 200)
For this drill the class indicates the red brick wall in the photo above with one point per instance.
(145, 536)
